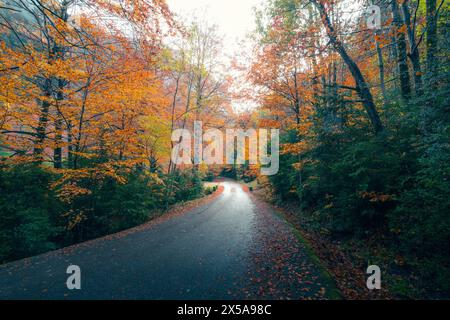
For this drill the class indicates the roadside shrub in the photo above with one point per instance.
(187, 185)
(210, 190)
(28, 212)
(209, 176)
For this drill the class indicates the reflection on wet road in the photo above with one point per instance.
(225, 249)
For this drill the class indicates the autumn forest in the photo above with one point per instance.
(91, 91)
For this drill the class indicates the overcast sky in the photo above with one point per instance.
(234, 17)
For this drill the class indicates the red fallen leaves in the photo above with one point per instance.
(281, 267)
(349, 279)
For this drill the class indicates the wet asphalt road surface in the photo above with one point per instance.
(230, 248)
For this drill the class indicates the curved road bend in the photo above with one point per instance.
(231, 248)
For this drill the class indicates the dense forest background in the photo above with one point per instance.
(91, 91)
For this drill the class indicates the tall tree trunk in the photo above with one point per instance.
(297, 110)
(413, 55)
(172, 124)
(361, 84)
(41, 131)
(431, 63)
(334, 98)
(393, 57)
(59, 52)
(381, 71)
(57, 154)
(80, 124)
(431, 45)
(69, 145)
(405, 86)
(431, 21)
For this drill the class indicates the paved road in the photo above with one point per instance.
(233, 247)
